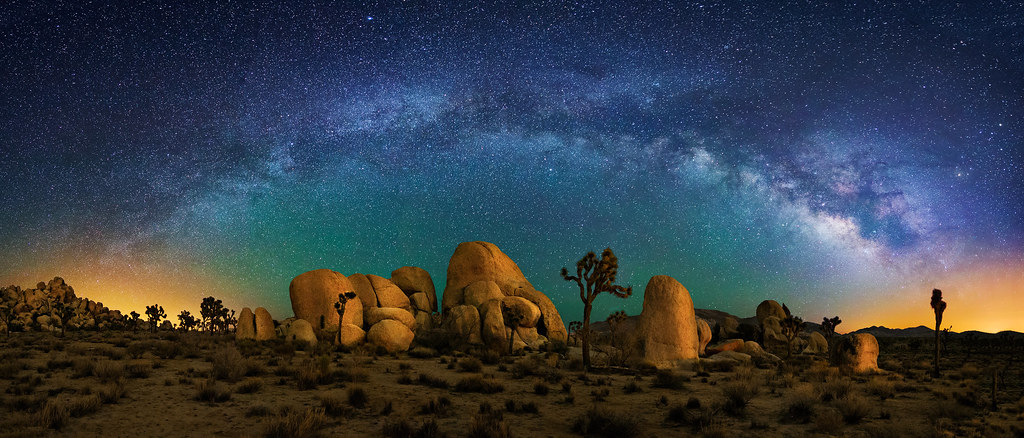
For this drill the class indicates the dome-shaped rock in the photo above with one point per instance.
(390, 334)
(668, 326)
(313, 295)
(412, 279)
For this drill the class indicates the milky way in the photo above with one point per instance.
(844, 159)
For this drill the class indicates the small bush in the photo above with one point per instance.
(257, 411)
(515, 407)
(296, 424)
(478, 384)
(828, 421)
(541, 388)
(228, 364)
(603, 423)
(357, 397)
(250, 385)
(440, 407)
(110, 394)
(470, 365)
(54, 415)
(632, 387)
(335, 406)
(431, 381)
(109, 371)
(82, 367)
(799, 407)
(677, 414)
(139, 370)
(404, 429)
(668, 379)
(490, 425)
(834, 388)
(212, 391)
(692, 403)
(738, 395)
(881, 388)
(82, 406)
(853, 409)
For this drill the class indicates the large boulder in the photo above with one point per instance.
(390, 334)
(857, 353)
(419, 302)
(479, 292)
(816, 344)
(353, 313)
(264, 324)
(769, 308)
(389, 295)
(703, 335)
(482, 261)
(530, 312)
(668, 327)
(492, 325)
(245, 328)
(464, 323)
(413, 280)
(378, 314)
(726, 345)
(313, 295)
(364, 290)
(771, 330)
(297, 330)
(350, 335)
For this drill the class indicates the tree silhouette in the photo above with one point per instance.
(595, 275)
(512, 317)
(215, 317)
(828, 325)
(186, 321)
(574, 331)
(340, 307)
(6, 315)
(791, 328)
(154, 314)
(65, 313)
(134, 320)
(938, 306)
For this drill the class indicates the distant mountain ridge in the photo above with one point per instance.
(923, 331)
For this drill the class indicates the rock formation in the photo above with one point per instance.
(816, 343)
(668, 328)
(482, 278)
(703, 335)
(264, 325)
(297, 330)
(245, 328)
(857, 353)
(391, 335)
(313, 295)
(29, 304)
(413, 280)
(769, 308)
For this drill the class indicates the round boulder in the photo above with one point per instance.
(390, 334)
(378, 314)
(668, 326)
(703, 335)
(857, 353)
(529, 311)
(364, 290)
(313, 295)
(297, 330)
(264, 324)
(412, 280)
(245, 328)
(350, 335)
(769, 308)
(816, 344)
(464, 322)
(389, 295)
(479, 292)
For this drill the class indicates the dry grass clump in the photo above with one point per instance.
(439, 407)
(489, 425)
(335, 406)
(541, 388)
(250, 385)
(479, 384)
(54, 415)
(799, 406)
(296, 424)
(834, 388)
(431, 381)
(82, 367)
(948, 409)
(881, 388)
(357, 397)
(668, 379)
(828, 421)
(604, 423)
(109, 370)
(228, 364)
(10, 370)
(853, 408)
(82, 406)
(212, 391)
(737, 395)
(470, 365)
(404, 429)
(139, 369)
(110, 394)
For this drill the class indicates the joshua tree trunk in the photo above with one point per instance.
(938, 322)
(586, 336)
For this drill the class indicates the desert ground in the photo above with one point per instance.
(169, 383)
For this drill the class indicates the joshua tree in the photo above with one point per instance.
(945, 338)
(340, 307)
(791, 328)
(134, 320)
(65, 313)
(513, 317)
(186, 321)
(215, 317)
(828, 325)
(615, 321)
(595, 275)
(154, 314)
(938, 306)
(574, 331)
(6, 315)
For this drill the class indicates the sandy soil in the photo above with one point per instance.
(54, 386)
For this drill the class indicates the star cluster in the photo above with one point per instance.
(841, 157)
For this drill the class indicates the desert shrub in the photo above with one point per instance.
(828, 421)
(668, 379)
(599, 395)
(55, 363)
(109, 370)
(799, 406)
(357, 397)
(250, 385)
(526, 367)
(82, 367)
(737, 395)
(604, 423)
(490, 357)
(632, 387)
(541, 388)
(514, 407)
(677, 414)
(10, 370)
(110, 394)
(470, 365)
(853, 408)
(54, 415)
(335, 406)
(257, 411)
(82, 406)
(834, 388)
(211, 391)
(691, 403)
(296, 424)
(969, 371)
(431, 381)
(139, 369)
(440, 406)
(948, 409)
(478, 384)
(489, 425)
(404, 429)
(881, 388)
(228, 364)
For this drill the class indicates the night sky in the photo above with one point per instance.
(844, 158)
